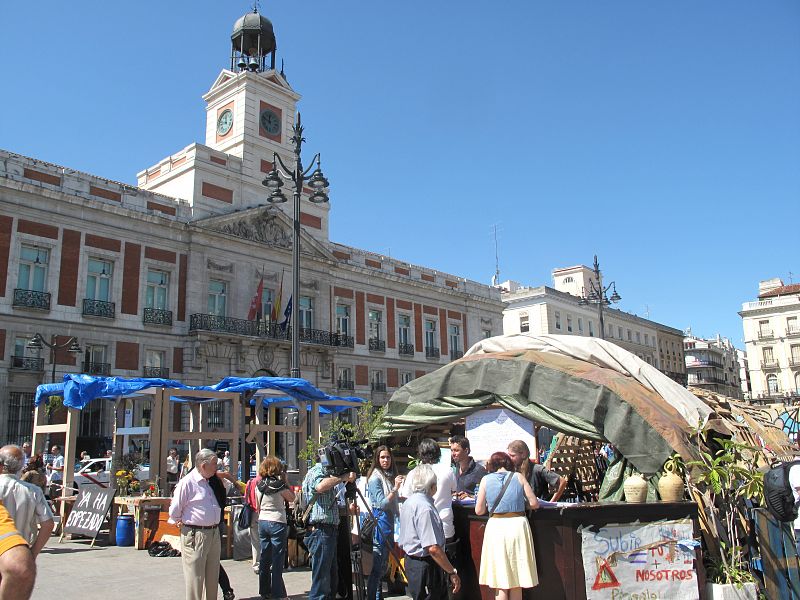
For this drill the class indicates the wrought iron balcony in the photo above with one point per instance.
(31, 299)
(767, 365)
(157, 316)
(456, 354)
(431, 352)
(794, 362)
(766, 334)
(406, 349)
(27, 363)
(378, 386)
(204, 322)
(98, 308)
(345, 384)
(377, 345)
(792, 331)
(160, 372)
(345, 341)
(97, 368)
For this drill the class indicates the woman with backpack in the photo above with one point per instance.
(272, 494)
(383, 486)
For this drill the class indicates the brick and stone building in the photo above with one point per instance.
(156, 279)
(544, 309)
(772, 341)
(713, 364)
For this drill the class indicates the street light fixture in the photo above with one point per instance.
(37, 342)
(597, 294)
(317, 182)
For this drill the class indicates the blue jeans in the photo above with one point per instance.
(380, 554)
(273, 554)
(321, 544)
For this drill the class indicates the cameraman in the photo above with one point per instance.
(318, 487)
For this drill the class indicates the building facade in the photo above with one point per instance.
(772, 341)
(161, 279)
(542, 310)
(713, 364)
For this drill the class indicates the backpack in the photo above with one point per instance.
(778, 493)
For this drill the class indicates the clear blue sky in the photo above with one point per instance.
(663, 136)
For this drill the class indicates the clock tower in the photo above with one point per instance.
(250, 111)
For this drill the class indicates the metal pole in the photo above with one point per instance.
(601, 297)
(53, 361)
(295, 372)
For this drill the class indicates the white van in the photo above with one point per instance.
(98, 471)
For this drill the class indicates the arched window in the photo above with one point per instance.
(772, 384)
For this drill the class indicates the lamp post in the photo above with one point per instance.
(317, 182)
(71, 345)
(597, 294)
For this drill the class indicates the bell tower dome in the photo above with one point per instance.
(253, 43)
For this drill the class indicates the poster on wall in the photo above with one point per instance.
(640, 561)
(491, 430)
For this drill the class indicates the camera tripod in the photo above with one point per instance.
(355, 548)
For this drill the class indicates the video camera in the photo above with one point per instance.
(340, 456)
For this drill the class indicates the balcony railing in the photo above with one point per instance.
(769, 364)
(377, 345)
(31, 299)
(204, 322)
(378, 386)
(456, 354)
(707, 381)
(766, 334)
(792, 331)
(345, 384)
(157, 316)
(794, 362)
(27, 363)
(98, 308)
(97, 368)
(406, 349)
(160, 372)
(431, 352)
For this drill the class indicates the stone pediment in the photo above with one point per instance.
(264, 226)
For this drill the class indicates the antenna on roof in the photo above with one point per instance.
(791, 278)
(647, 311)
(496, 276)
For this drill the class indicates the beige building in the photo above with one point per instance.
(772, 339)
(158, 279)
(557, 309)
(713, 364)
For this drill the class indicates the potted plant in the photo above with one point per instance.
(722, 479)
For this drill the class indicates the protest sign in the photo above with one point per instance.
(640, 561)
(89, 510)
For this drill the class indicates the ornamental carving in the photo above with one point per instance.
(215, 266)
(262, 227)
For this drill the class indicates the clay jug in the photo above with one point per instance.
(635, 488)
(670, 487)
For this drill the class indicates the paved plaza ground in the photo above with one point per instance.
(74, 570)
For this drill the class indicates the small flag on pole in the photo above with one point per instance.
(276, 304)
(287, 315)
(255, 303)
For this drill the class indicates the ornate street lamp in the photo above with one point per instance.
(71, 345)
(597, 294)
(319, 184)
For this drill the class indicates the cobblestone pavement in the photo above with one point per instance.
(73, 570)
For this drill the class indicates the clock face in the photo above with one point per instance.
(225, 122)
(270, 122)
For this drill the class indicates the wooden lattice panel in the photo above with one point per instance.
(574, 457)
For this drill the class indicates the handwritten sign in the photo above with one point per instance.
(491, 430)
(90, 509)
(650, 561)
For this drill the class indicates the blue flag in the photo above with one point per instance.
(287, 315)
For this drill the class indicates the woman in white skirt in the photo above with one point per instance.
(508, 563)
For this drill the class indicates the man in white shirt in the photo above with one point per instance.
(55, 472)
(26, 450)
(25, 502)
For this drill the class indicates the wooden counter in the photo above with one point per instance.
(557, 543)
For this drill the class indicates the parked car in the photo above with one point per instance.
(98, 471)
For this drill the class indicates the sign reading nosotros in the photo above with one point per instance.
(650, 561)
(89, 510)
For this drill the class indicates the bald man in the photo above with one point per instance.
(24, 501)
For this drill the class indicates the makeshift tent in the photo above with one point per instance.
(581, 386)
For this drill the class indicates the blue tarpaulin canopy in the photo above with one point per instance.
(79, 390)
